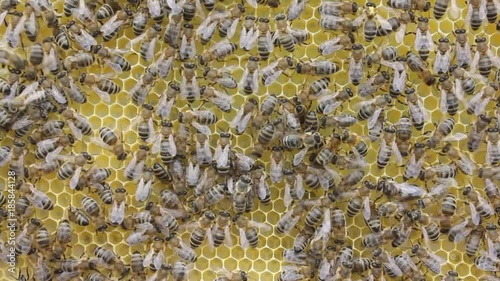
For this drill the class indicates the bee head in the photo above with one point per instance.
(82, 78)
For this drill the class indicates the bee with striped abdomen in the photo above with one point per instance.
(101, 85)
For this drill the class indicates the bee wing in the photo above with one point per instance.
(223, 159)
(262, 188)
(276, 170)
(176, 7)
(356, 70)
(165, 66)
(210, 238)
(143, 191)
(228, 241)
(455, 137)
(357, 21)
(272, 77)
(85, 40)
(482, 106)
(117, 214)
(261, 226)
(367, 210)
(3, 15)
(74, 129)
(73, 182)
(287, 199)
(400, 33)
(330, 46)
(420, 40)
(252, 3)
(384, 23)
(111, 25)
(482, 10)
(255, 81)
(232, 29)
(103, 95)
(38, 95)
(372, 121)
(243, 239)
(252, 39)
(476, 218)
(155, 148)
(494, 59)
(204, 129)
(459, 90)
(131, 166)
(475, 100)
(326, 226)
(426, 237)
(466, 165)
(222, 101)
(297, 158)
(443, 105)
(162, 109)
(474, 63)
(148, 259)
(409, 190)
(53, 155)
(454, 10)
(299, 186)
(21, 123)
(324, 269)
(243, 36)
(392, 266)
(100, 143)
(269, 41)
(242, 126)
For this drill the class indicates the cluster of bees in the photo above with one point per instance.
(304, 148)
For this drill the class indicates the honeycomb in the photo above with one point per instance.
(266, 261)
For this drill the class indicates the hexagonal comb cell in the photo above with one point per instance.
(138, 72)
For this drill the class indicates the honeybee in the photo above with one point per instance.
(250, 33)
(483, 58)
(181, 249)
(408, 267)
(50, 148)
(442, 133)
(136, 165)
(139, 93)
(69, 87)
(414, 166)
(73, 168)
(345, 42)
(249, 82)
(487, 263)
(372, 109)
(108, 257)
(199, 119)
(24, 241)
(476, 135)
(248, 230)
(462, 161)
(464, 81)
(417, 65)
(294, 187)
(229, 23)
(243, 116)
(189, 85)
(221, 76)
(390, 266)
(167, 100)
(202, 230)
(423, 40)
(399, 191)
(112, 57)
(373, 84)
(477, 104)
(319, 68)
(114, 24)
(271, 72)
(290, 218)
(221, 100)
(449, 100)
(492, 146)
(441, 6)
(370, 25)
(101, 84)
(110, 141)
(377, 239)
(77, 216)
(117, 212)
(479, 207)
(218, 51)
